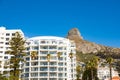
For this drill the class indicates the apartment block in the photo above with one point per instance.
(39, 68)
(5, 36)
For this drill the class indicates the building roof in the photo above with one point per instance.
(116, 78)
(47, 37)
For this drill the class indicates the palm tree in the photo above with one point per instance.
(59, 55)
(78, 69)
(33, 54)
(90, 66)
(48, 58)
(91, 69)
(110, 60)
(71, 56)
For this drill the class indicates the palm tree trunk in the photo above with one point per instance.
(92, 74)
(110, 72)
(49, 70)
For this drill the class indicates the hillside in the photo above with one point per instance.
(85, 46)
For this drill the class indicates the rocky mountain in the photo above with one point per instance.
(85, 46)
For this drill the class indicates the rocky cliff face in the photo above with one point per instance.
(86, 46)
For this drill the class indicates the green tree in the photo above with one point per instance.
(2, 77)
(90, 72)
(71, 56)
(17, 47)
(78, 69)
(110, 60)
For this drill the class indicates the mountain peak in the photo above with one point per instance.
(85, 46)
(74, 33)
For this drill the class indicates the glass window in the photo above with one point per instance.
(13, 34)
(34, 74)
(7, 34)
(43, 69)
(27, 64)
(7, 39)
(43, 74)
(26, 69)
(5, 57)
(26, 74)
(34, 69)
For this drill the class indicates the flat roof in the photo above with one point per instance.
(47, 37)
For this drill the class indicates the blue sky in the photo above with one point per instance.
(97, 20)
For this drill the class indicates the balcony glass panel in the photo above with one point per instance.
(44, 63)
(34, 63)
(60, 69)
(43, 74)
(60, 48)
(27, 59)
(52, 52)
(53, 58)
(43, 69)
(43, 79)
(43, 42)
(52, 47)
(53, 79)
(34, 74)
(43, 52)
(53, 74)
(26, 74)
(43, 58)
(34, 79)
(26, 69)
(34, 69)
(53, 63)
(60, 74)
(53, 69)
(27, 63)
(60, 64)
(35, 48)
(43, 47)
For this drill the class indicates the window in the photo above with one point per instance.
(1, 51)
(43, 68)
(34, 69)
(7, 34)
(27, 75)
(1, 47)
(34, 63)
(27, 64)
(34, 74)
(7, 43)
(2, 37)
(26, 69)
(13, 34)
(7, 39)
(52, 47)
(43, 74)
(5, 57)
(1, 42)
(27, 59)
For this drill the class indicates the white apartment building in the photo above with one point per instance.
(104, 73)
(63, 68)
(5, 36)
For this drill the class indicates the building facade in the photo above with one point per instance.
(5, 36)
(104, 73)
(56, 68)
